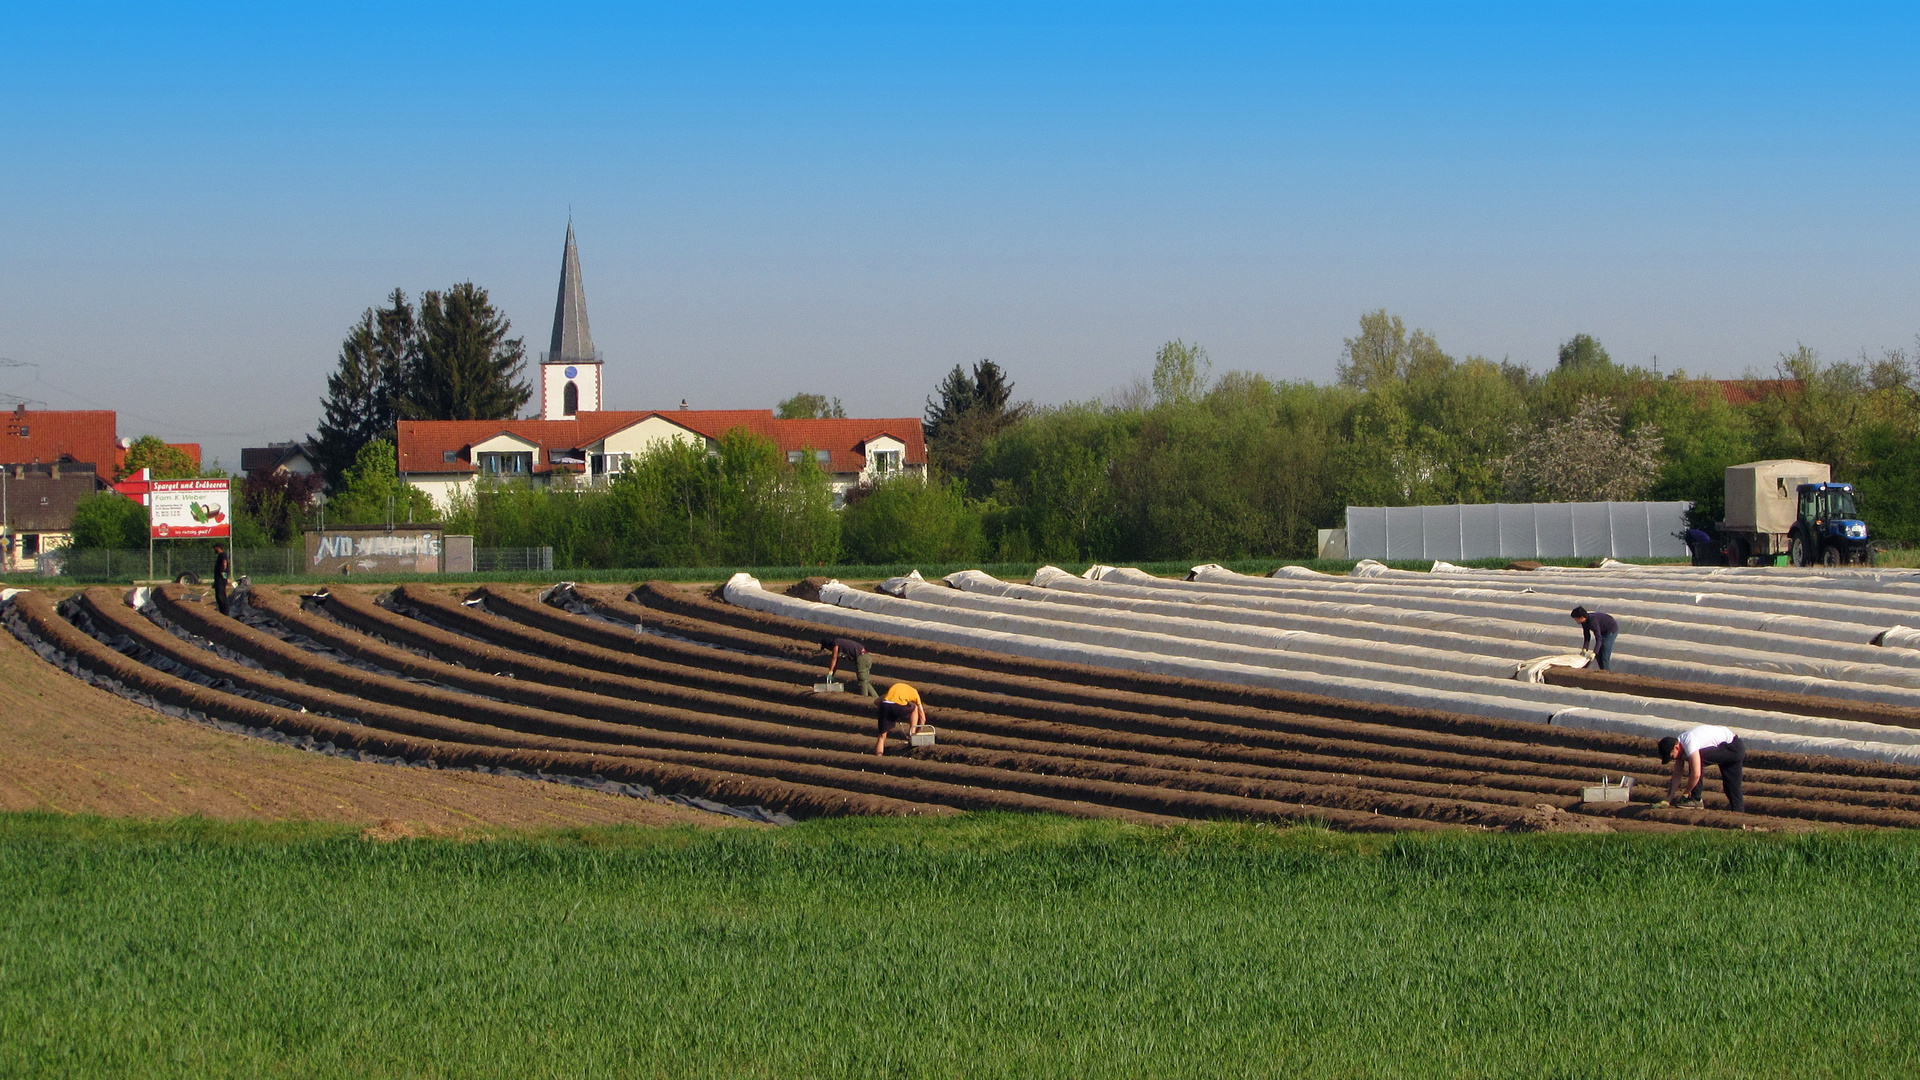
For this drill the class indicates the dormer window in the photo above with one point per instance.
(507, 464)
(882, 462)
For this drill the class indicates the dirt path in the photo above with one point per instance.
(68, 747)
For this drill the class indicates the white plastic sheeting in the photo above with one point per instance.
(1782, 597)
(1354, 660)
(1138, 591)
(1735, 629)
(874, 613)
(1517, 530)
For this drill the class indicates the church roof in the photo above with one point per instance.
(572, 341)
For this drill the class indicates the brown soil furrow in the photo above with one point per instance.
(960, 742)
(673, 599)
(811, 767)
(1790, 800)
(1495, 763)
(1712, 694)
(733, 788)
(1241, 726)
(1053, 779)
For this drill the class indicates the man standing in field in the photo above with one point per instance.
(220, 568)
(862, 662)
(1602, 629)
(901, 703)
(1692, 752)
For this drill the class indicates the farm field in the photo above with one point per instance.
(714, 701)
(70, 748)
(988, 945)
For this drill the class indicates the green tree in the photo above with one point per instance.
(108, 519)
(970, 410)
(373, 490)
(363, 393)
(905, 519)
(1582, 351)
(465, 367)
(804, 406)
(1384, 352)
(1179, 373)
(151, 452)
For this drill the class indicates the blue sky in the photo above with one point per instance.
(853, 198)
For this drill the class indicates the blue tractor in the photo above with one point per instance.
(1828, 529)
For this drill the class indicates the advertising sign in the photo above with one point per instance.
(190, 509)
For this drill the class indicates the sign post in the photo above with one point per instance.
(187, 510)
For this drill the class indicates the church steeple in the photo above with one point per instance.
(571, 338)
(570, 372)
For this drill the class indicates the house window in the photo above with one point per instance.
(793, 457)
(824, 457)
(507, 464)
(610, 464)
(448, 457)
(30, 545)
(884, 461)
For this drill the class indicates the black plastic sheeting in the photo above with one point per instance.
(73, 612)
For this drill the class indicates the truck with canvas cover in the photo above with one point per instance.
(1791, 511)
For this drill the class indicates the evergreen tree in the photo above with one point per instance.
(465, 366)
(970, 410)
(362, 394)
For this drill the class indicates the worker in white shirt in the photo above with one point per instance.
(1692, 752)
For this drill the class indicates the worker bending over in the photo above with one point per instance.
(1692, 752)
(902, 703)
(1602, 628)
(855, 652)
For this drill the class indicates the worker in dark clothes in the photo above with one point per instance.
(901, 705)
(220, 568)
(1602, 629)
(857, 653)
(1692, 752)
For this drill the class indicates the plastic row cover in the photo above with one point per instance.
(1658, 659)
(1177, 638)
(1737, 630)
(1781, 598)
(745, 591)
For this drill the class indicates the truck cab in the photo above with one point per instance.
(1827, 527)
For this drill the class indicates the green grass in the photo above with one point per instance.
(793, 573)
(984, 946)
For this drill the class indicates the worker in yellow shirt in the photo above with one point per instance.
(902, 703)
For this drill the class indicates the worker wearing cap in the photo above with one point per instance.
(1692, 752)
(862, 662)
(1602, 629)
(902, 703)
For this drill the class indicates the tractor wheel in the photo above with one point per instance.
(1797, 554)
(1831, 557)
(1738, 552)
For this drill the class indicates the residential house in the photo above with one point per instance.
(574, 440)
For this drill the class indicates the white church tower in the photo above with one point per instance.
(570, 370)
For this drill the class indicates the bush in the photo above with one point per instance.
(907, 519)
(108, 519)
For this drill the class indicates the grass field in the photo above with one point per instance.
(981, 946)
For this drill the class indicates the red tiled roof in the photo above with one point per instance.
(85, 435)
(1748, 391)
(425, 443)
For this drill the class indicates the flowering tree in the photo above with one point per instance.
(1584, 458)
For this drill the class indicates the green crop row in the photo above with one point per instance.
(983, 946)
